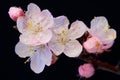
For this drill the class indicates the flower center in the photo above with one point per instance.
(97, 44)
(62, 37)
(34, 28)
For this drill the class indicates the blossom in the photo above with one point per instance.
(15, 12)
(35, 26)
(64, 39)
(102, 37)
(38, 55)
(86, 70)
(93, 45)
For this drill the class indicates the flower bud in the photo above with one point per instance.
(86, 70)
(15, 12)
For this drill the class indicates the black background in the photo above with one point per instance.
(13, 68)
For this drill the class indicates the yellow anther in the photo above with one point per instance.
(27, 60)
(97, 44)
(29, 23)
(64, 32)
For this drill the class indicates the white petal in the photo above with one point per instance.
(46, 55)
(73, 49)
(56, 47)
(45, 36)
(110, 36)
(23, 50)
(36, 39)
(21, 24)
(32, 10)
(99, 23)
(37, 65)
(77, 29)
(29, 39)
(33, 7)
(60, 23)
(46, 19)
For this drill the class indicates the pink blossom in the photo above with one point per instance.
(15, 12)
(86, 70)
(64, 38)
(35, 26)
(102, 36)
(93, 45)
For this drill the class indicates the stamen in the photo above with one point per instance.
(27, 60)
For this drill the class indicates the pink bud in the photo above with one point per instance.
(86, 70)
(93, 45)
(15, 12)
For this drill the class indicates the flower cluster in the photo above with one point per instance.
(43, 36)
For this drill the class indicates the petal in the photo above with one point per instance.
(93, 45)
(60, 23)
(33, 8)
(73, 49)
(108, 45)
(33, 12)
(29, 39)
(36, 39)
(23, 50)
(45, 36)
(77, 29)
(37, 65)
(21, 24)
(109, 36)
(46, 19)
(56, 47)
(46, 55)
(99, 23)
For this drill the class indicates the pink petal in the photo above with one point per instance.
(93, 45)
(107, 45)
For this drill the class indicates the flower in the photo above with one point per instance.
(38, 55)
(102, 37)
(86, 70)
(35, 26)
(64, 39)
(93, 45)
(15, 12)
